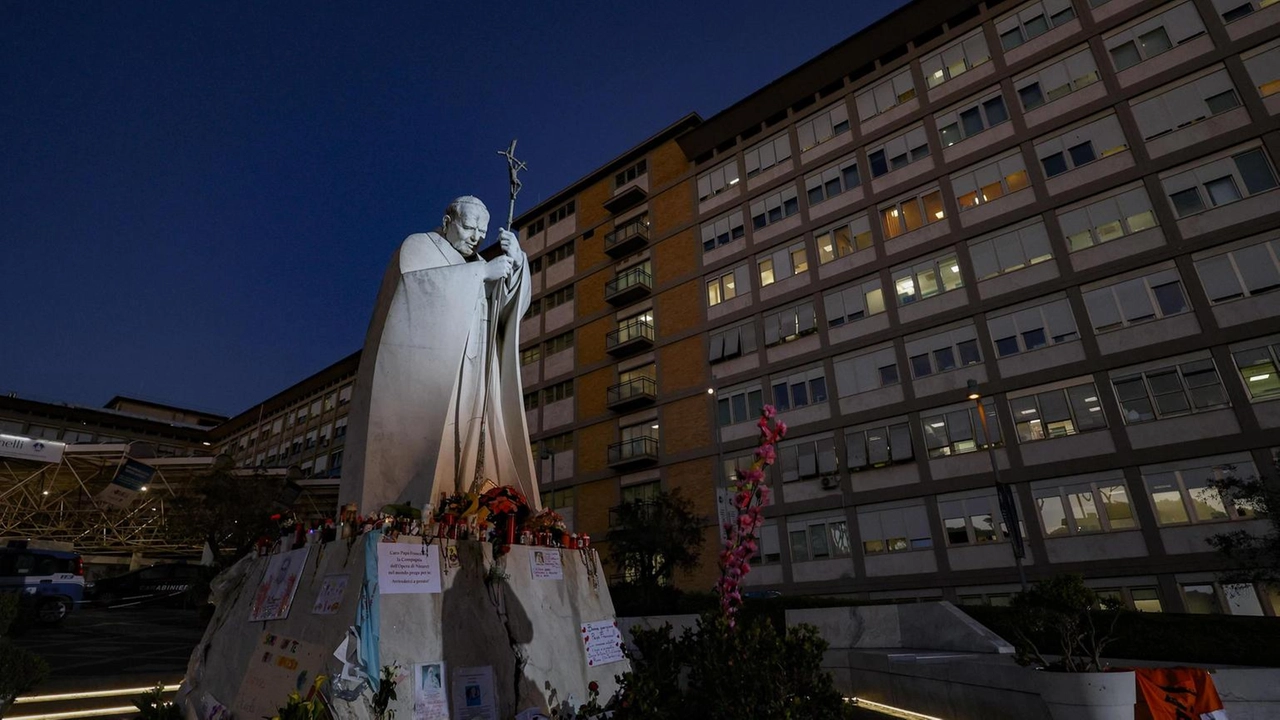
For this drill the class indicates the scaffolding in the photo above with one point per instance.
(60, 502)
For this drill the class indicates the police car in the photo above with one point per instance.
(175, 585)
(49, 581)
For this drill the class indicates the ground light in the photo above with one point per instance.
(116, 711)
(890, 710)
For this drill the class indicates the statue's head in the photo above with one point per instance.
(465, 224)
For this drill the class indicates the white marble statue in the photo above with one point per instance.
(438, 404)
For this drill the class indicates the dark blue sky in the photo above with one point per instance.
(198, 199)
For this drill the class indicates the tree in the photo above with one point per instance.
(227, 510)
(1253, 558)
(1065, 615)
(651, 539)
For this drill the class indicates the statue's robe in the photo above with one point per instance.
(442, 353)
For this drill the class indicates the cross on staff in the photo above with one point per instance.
(514, 166)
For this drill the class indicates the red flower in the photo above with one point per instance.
(593, 686)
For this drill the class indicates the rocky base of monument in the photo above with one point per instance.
(461, 633)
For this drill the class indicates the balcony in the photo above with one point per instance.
(627, 239)
(628, 287)
(626, 198)
(630, 337)
(631, 394)
(636, 452)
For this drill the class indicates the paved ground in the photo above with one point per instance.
(126, 641)
(95, 646)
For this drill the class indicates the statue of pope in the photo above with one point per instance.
(438, 404)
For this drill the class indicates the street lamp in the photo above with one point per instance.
(1008, 508)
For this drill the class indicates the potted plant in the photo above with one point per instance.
(1062, 627)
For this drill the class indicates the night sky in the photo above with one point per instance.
(198, 199)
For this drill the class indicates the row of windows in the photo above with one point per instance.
(1126, 47)
(1065, 74)
(1212, 183)
(1063, 507)
(1243, 272)
(1160, 390)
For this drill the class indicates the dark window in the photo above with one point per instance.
(971, 121)
(1055, 164)
(1031, 96)
(1011, 39)
(1169, 297)
(1222, 102)
(1036, 26)
(889, 375)
(1236, 13)
(1007, 346)
(945, 359)
(1187, 202)
(851, 178)
(995, 110)
(1256, 171)
(920, 366)
(1154, 42)
(1033, 339)
(1082, 154)
(879, 165)
(1125, 56)
(969, 354)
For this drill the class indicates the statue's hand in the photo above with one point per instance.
(510, 245)
(498, 268)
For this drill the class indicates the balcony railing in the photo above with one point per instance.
(641, 450)
(630, 336)
(629, 286)
(645, 509)
(627, 239)
(631, 393)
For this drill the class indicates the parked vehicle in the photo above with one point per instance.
(173, 585)
(50, 582)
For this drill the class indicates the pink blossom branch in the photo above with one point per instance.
(749, 495)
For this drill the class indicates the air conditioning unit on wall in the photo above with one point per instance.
(830, 482)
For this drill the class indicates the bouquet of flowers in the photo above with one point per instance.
(549, 521)
(454, 505)
(508, 508)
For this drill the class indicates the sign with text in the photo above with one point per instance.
(603, 642)
(25, 448)
(545, 564)
(408, 568)
(473, 694)
(131, 477)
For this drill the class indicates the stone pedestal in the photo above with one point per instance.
(528, 630)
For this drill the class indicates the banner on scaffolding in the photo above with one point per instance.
(131, 480)
(25, 448)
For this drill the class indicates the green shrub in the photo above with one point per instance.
(720, 673)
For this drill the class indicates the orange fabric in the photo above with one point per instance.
(1177, 694)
